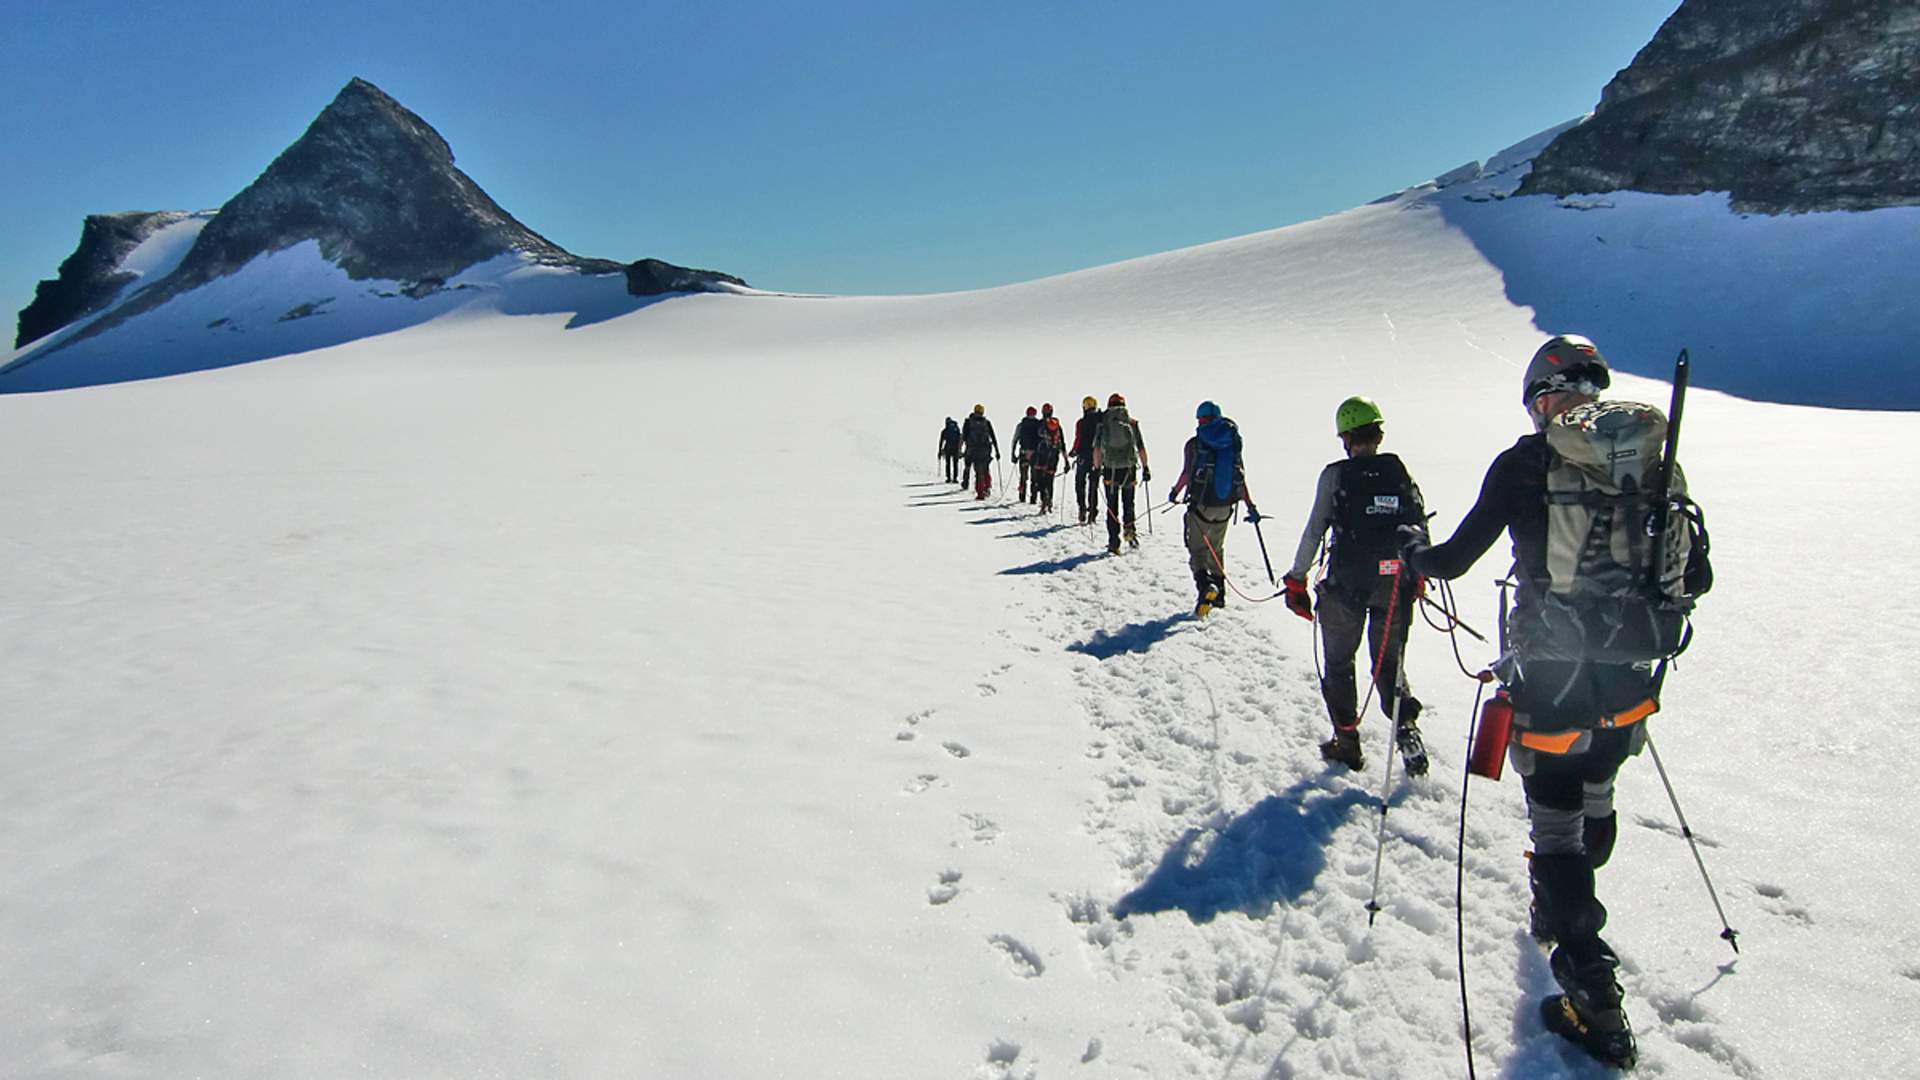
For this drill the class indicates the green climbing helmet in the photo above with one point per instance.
(1355, 412)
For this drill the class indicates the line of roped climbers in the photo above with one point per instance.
(1107, 452)
(1609, 555)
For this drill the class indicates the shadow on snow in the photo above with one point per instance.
(1272, 852)
(1134, 637)
(1032, 534)
(1052, 566)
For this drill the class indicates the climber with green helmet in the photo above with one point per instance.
(1364, 500)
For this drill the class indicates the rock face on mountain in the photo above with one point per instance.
(374, 184)
(377, 187)
(651, 277)
(1789, 105)
(90, 277)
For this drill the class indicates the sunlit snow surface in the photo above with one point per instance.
(622, 695)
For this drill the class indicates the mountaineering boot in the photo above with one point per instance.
(1344, 749)
(1219, 592)
(1564, 907)
(1589, 1014)
(1539, 923)
(1132, 540)
(1413, 752)
(1113, 547)
(1209, 597)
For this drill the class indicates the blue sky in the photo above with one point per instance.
(836, 146)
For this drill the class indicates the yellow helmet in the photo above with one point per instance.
(979, 410)
(1088, 402)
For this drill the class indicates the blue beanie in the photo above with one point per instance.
(1207, 410)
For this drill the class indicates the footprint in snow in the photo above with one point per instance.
(1025, 962)
(956, 749)
(985, 829)
(921, 783)
(1776, 901)
(946, 890)
(988, 689)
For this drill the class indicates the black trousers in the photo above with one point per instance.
(1119, 484)
(952, 462)
(1043, 487)
(1086, 487)
(1343, 620)
(1570, 796)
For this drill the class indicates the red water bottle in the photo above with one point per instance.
(1489, 754)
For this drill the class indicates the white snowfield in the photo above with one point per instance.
(589, 694)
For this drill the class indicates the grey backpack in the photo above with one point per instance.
(1602, 600)
(1117, 443)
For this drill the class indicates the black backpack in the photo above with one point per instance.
(1375, 498)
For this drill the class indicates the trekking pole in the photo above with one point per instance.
(1460, 882)
(1393, 742)
(1454, 621)
(1727, 932)
(1263, 553)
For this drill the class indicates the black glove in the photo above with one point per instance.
(1146, 475)
(1173, 494)
(1413, 545)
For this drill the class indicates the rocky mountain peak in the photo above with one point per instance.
(373, 183)
(377, 187)
(1789, 105)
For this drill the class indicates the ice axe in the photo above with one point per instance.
(1263, 549)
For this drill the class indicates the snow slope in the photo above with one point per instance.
(524, 694)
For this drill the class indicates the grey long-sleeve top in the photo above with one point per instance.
(1318, 522)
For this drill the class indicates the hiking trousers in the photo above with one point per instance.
(1343, 621)
(952, 462)
(1026, 477)
(1043, 487)
(1086, 488)
(1119, 484)
(1203, 530)
(982, 477)
(1570, 815)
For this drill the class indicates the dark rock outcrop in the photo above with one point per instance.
(91, 277)
(651, 277)
(1788, 105)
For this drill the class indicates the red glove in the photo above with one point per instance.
(1297, 600)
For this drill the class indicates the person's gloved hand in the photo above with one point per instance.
(1173, 494)
(1413, 545)
(1297, 600)
(1146, 475)
(1253, 514)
